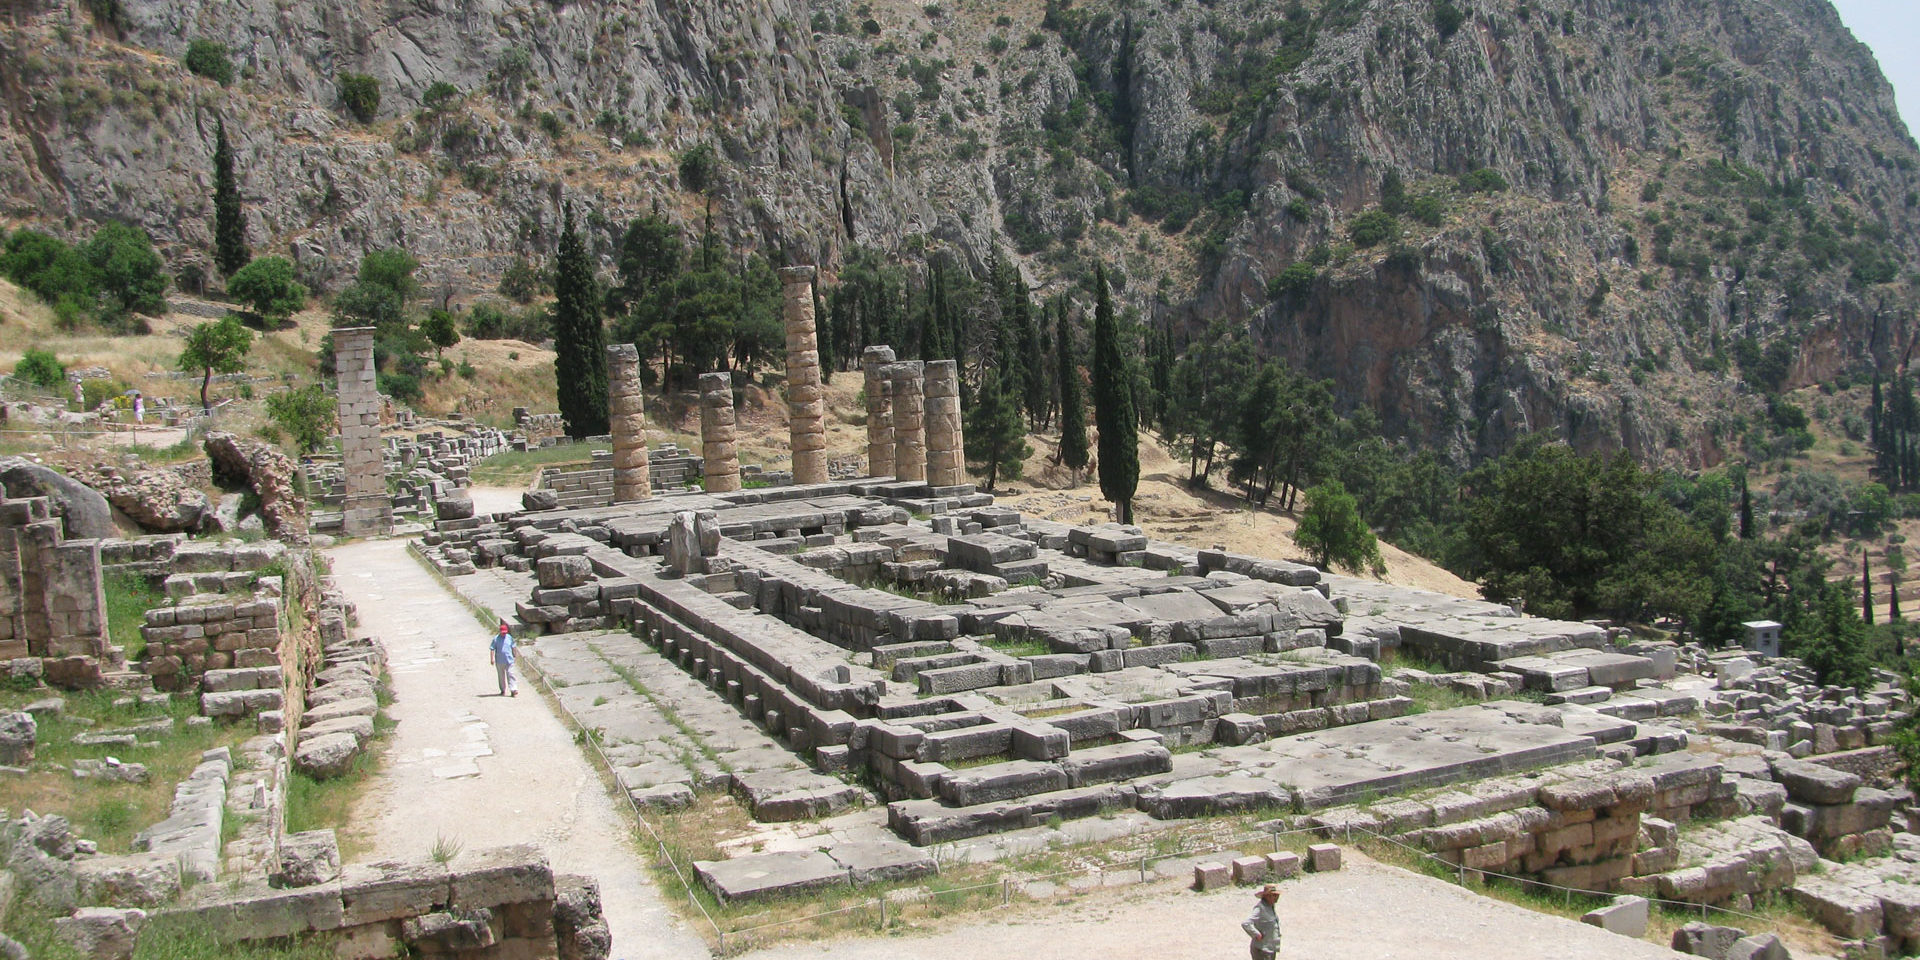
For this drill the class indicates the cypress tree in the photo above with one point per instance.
(229, 222)
(1866, 590)
(1032, 370)
(1746, 509)
(1073, 413)
(1113, 409)
(579, 342)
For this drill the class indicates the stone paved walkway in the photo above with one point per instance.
(471, 766)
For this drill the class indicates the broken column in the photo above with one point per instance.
(722, 466)
(806, 399)
(946, 454)
(368, 508)
(909, 433)
(874, 362)
(627, 415)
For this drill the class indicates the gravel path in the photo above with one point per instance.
(469, 765)
(1367, 911)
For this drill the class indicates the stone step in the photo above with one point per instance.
(128, 681)
(925, 822)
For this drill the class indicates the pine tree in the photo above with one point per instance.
(579, 342)
(996, 436)
(1113, 410)
(229, 221)
(1073, 413)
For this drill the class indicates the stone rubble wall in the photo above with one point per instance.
(336, 722)
(52, 600)
(498, 904)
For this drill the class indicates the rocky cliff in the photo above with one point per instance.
(1611, 218)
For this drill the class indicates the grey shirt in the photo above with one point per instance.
(1263, 923)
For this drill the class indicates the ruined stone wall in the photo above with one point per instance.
(52, 602)
(498, 904)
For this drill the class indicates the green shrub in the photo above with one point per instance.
(50, 269)
(305, 414)
(1373, 228)
(550, 123)
(698, 167)
(129, 274)
(361, 94)
(1298, 277)
(439, 95)
(1483, 180)
(1447, 18)
(267, 285)
(208, 58)
(40, 368)
(400, 386)
(1429, 209)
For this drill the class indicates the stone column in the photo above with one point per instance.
(626, 410)
(874, 362)
(909, 433)
(368, 508)
(946, 451)
(716, 433)
(806, 399)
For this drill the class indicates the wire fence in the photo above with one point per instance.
(741, 937)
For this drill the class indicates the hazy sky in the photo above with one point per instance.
(1892, 29)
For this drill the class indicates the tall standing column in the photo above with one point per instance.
(806, 399)
(368, 508)
(874, 362)
(946, 451)
(909, 425)
(626, 409)
(722, 468)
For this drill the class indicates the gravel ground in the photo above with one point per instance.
(1367, 911)
(467, 764)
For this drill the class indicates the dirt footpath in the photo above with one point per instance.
(483, 770)
(1366, 912)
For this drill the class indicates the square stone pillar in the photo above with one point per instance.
(717, 422)
(806, 398)
(873, 362)
(909, 425)
(368, 508)
(627, 419)
(946, 449)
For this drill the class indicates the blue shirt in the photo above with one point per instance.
(503, 648)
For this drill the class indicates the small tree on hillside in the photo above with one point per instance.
(1113, 409)
(996, 435)
(1073, 411)
(267, 285)
(306, 415)
(131, 277)
(40, 368)
(1332, 532)
(215, 347)
(229, 221)
(439, 330)
(1832, 640)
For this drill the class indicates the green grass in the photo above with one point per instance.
(110, 813)
(186, 449)
(515, 467)
(129, 598)
(326, 804)
(1433, 698)
(171, 939)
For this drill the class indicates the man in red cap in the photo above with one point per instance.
(501, 654)
(1263, 926)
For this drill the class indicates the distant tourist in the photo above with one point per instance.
(501, 654)
(139, 409)
(1263, 926)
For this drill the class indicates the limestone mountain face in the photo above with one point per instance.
(1675, 185)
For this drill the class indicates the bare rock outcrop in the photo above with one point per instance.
(269, 473)
(160, 501)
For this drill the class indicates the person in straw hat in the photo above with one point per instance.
(1263, 925)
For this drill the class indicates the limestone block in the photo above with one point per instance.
(327, 756)
(1626, 916)
(17, 734)
(139, 879)
(441, 933)
(1211, 875)
(561, 572)
(1249, 869)
(1760, 946)
(1283, 865)
(1323, 857)
(102, 933)
(1850, 913)
(306, 859)
(1705, 940)
(1812, 783)
(502, 875)
(390, 890)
